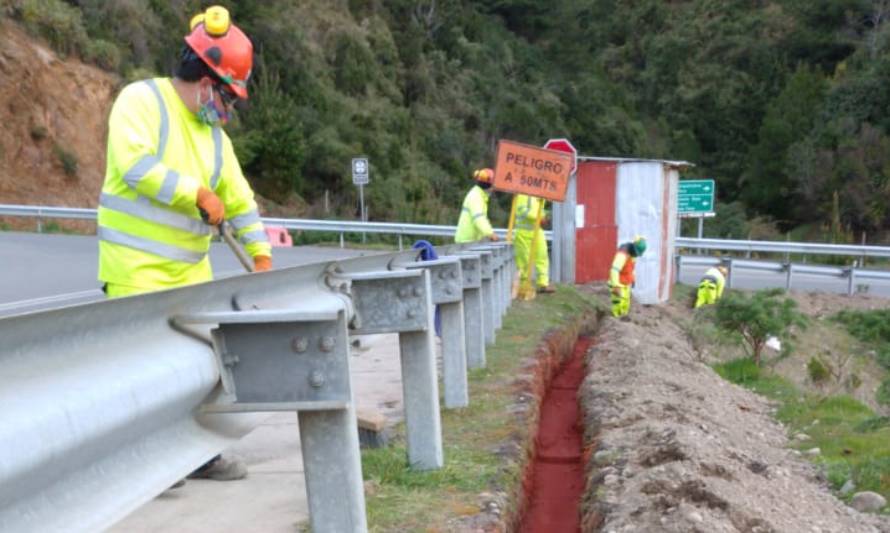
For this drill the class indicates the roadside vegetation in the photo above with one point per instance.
(483, 443)
(850, 440)
(784, 105)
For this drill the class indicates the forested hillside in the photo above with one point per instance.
(785, 103)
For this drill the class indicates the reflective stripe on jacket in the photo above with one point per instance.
(473, 224)
(527, 211)
(622, 272)
(150, 232)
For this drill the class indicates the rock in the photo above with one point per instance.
(695, 517)
(813, 452)
(611, 479)
(800, 437)
(868, 502)
(603, 457)
(848, 487)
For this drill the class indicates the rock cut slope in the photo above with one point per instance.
(54, 112)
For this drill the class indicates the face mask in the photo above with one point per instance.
(210, 112)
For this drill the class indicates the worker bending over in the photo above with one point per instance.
(710, 288)
(622, 276)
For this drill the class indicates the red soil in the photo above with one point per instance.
(557, 470)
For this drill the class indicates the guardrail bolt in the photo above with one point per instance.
(454, 274)
(411, 313)
(417, 291)
(403, 292)
(449, 290)
(299, 344)
(442, 274)
(316, 379)
(327, 344)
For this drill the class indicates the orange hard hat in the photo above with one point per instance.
(485, 175)
(223, 47)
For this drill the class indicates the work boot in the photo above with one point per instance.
(221, 469)
(547, 289)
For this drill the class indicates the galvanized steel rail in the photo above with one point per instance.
(850, 274)
(806, 248)
(304, 224)
(107, 404)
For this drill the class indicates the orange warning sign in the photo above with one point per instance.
(522, 168)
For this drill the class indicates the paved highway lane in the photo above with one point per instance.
(41, 271)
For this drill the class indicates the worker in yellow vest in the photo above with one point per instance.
(622, 276)
(526, 217)
(710, 288)
(171, 174)
(473, 224)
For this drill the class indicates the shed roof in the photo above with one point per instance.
(669, 162)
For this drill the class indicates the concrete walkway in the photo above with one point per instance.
(273, 496)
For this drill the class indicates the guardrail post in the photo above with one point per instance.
(342, 244)
(851, 280)
(678, 260)
(729, 278)
(400, 243)
(288, 360)
(789, 272)
(488, 306)
(401, 302)
(474, 329)
(508, 277)
(447, 293)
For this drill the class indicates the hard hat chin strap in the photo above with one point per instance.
(209, 112)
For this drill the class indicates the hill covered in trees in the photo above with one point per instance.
(785, 103)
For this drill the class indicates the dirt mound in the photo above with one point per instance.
(677, 448)
(54, 114)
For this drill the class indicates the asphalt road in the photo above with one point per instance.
(40, 271)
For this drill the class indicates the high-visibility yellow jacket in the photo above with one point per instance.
(473, 224)
(717, 277)
(527, 211)
(151, 235)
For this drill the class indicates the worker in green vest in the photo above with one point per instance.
(473, 224)
(526, 218)
(710, 288)
(172, 173)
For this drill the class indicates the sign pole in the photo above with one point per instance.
(512, 222)
(361, 195)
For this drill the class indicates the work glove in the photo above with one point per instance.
(616, 290)
(212, 210)
(262, 263)
(493, 237)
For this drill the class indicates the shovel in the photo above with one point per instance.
(225, 231)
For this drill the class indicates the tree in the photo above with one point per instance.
(758, 317)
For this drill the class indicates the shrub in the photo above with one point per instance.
(38, 132)
(68, 160)
(818, 370)
(56, 21)
(103, 53)
(758, 317)
(883, 394)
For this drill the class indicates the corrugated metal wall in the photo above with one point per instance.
(642, 201)
(595, 239)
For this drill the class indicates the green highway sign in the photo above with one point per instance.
(696, 198)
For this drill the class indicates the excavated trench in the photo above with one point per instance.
(554, 479)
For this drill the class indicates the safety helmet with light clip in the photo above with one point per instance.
(484, 175)
(223, 47)
(639, 243)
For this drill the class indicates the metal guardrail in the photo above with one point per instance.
(304, 224)
(106, 404)
(852, 275)
(807, 248)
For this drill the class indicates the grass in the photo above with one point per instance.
(855, 443)
(400, 499)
